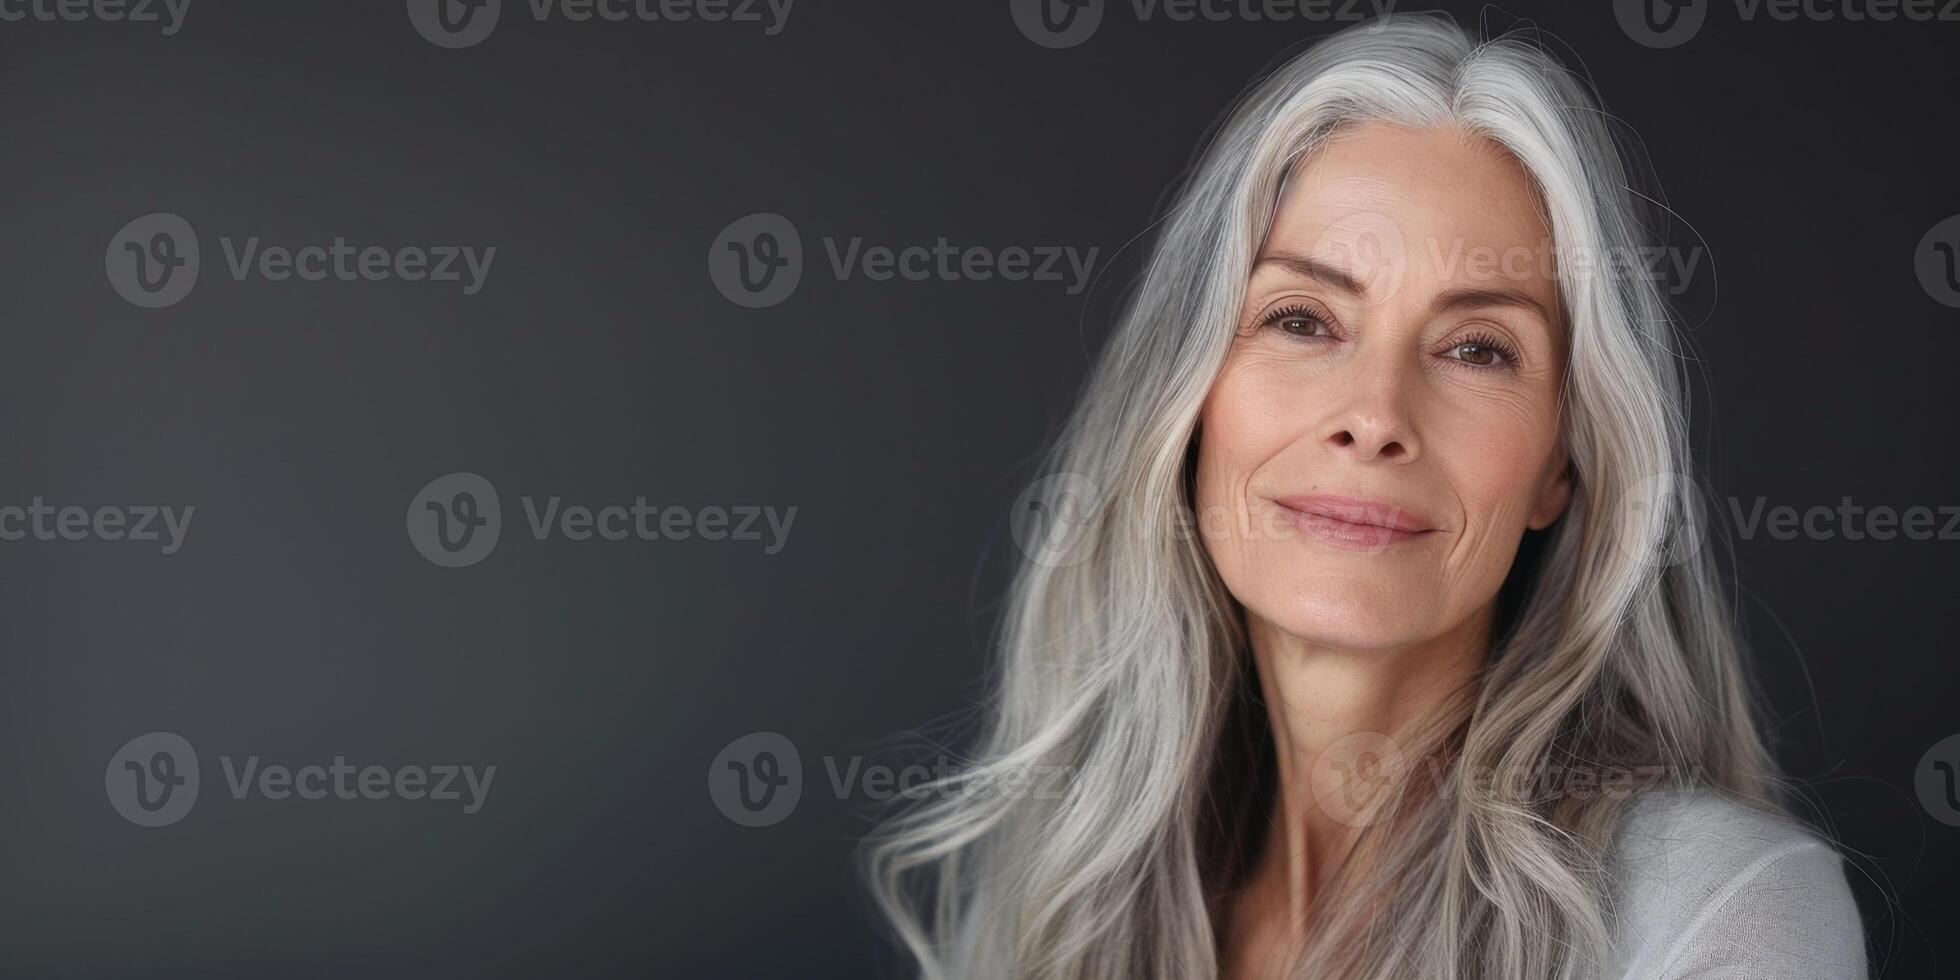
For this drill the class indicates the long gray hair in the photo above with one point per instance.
(1123, 663)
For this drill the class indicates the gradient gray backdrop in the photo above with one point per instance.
(600, 363)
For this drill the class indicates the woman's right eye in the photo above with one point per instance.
(1299, 321)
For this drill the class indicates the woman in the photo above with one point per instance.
(1376, 634)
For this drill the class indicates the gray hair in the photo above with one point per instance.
(1127, 667)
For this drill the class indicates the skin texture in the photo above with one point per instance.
(1428, 384)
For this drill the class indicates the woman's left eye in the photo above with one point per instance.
(1482, 353)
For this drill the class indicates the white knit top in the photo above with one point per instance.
(1710, 889)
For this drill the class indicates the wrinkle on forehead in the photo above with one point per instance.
(1410, 163)
(1441, 199)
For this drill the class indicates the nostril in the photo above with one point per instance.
(1390, 451)
(1344, 439)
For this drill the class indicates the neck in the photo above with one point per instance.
(1337, 716)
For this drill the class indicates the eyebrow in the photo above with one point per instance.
(1470, 299)
(1307, 268)
(1451, 300)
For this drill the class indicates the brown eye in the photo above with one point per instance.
(1304, 322)
(1302, 326)
(1482, 351)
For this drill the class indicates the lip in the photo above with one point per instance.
(1357, 523)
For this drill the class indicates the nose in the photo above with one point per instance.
(1369, 439)
(1374, 423)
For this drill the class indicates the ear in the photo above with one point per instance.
(1554, 493)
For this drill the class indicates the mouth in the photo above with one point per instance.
(1355, 523)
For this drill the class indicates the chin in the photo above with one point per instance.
(1351, 613)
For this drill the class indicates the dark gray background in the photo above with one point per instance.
(600, 363)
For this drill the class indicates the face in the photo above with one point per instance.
(1386, 425)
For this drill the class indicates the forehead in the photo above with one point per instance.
(1445, 205)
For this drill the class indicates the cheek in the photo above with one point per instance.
(1221, 463)
(1234, 440)
(1497, 454)
(1244, 423)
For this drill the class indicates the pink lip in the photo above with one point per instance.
(1353, 522)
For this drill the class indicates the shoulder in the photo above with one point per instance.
(1707, 886)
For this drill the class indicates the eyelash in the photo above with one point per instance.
(1505, 352)
(1295, 312)
(1488, 341)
